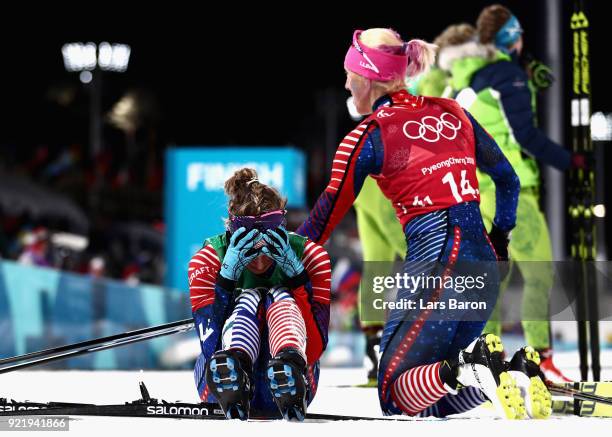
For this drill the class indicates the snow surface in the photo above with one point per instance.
(105, 387)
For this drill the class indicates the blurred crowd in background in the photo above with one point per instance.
(103, 217)
(99, 216)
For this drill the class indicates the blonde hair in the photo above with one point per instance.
(421, 55)
(248, 196)
(460, 41)
(456, 34)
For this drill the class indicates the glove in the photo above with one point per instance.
(280, 250)
(500, 240)
(240, 253)
(541, 75)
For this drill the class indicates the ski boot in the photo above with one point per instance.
(551, 372)
(480, 365)
(228, 377)
(287, 381)
(525, 368)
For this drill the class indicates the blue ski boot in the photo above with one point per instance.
(228, 376)
(288, 384)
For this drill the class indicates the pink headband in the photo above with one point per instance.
(372, 63)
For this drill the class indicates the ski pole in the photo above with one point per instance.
(576, 394)
(73, 350)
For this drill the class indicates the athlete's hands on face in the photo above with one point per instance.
(279, 249)
(240, 252)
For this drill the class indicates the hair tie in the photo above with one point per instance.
(251, 181)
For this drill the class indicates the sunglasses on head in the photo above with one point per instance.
(262, 222)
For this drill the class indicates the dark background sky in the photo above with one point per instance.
(224, 75)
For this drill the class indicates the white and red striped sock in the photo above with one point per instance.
(418, 388)
(286, 326)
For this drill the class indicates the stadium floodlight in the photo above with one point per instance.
(113, 57)
(79, 56)
(89, 56)
(90, 60)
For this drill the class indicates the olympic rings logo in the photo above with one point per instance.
(431, 128)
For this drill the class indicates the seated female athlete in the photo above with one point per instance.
(260, 300)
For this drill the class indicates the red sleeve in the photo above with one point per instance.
(316, 262)
(316, 314)
(203, 269)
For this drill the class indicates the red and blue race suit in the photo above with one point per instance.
(220, 309)
(423, 152)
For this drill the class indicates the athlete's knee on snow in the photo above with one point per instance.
(393, 399)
